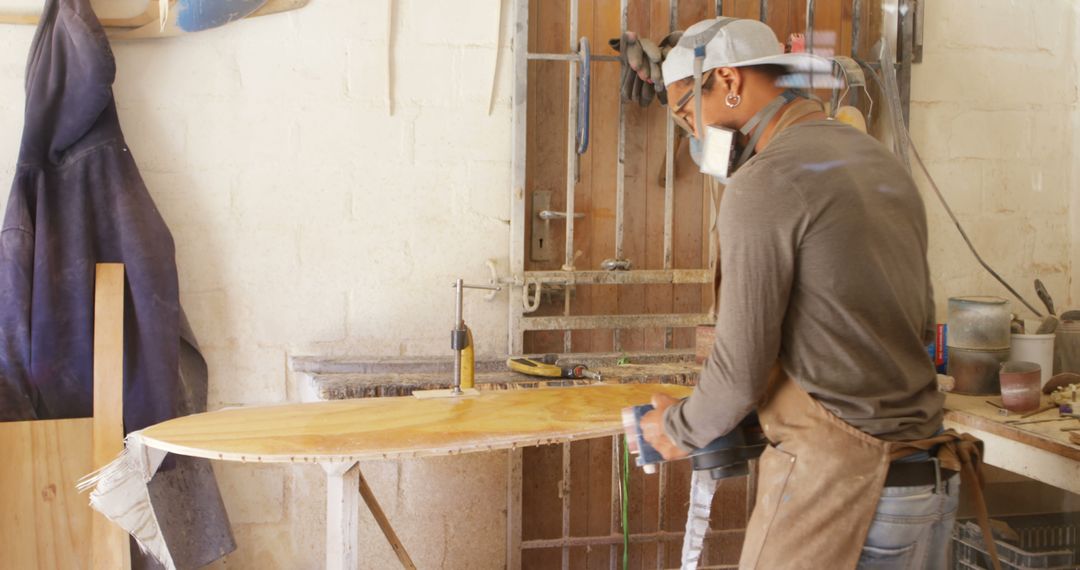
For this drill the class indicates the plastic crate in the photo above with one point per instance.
(1046, 542)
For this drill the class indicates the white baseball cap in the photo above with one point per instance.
(735, 42)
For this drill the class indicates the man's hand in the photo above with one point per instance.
(652, 428)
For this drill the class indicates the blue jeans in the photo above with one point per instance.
(912, 528)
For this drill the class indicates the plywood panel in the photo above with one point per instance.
(112, 543)
(45, 522)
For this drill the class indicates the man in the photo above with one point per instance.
(825, 307)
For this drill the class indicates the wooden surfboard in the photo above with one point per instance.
(386, 428)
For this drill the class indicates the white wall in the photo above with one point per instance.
(992, 109)
(309, 221)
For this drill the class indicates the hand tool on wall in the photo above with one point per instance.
(1044, 296)
(548, 367)
(584, 80)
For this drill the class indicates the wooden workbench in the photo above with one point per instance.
(1040, 451)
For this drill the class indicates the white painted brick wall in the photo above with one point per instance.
(308, 220)
(993, 106)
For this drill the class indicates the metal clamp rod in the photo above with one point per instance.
(484, 287)
(459, 323)
(553, 215)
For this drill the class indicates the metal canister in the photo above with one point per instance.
(977, 372)
(978, 341)
(1067, 347)
(979, 323)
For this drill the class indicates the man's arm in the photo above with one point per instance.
(761, 222)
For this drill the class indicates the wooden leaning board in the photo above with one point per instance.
(388, 428)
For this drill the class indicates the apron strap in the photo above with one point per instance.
(970, 454)
(958, 452)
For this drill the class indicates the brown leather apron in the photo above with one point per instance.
(820, 482)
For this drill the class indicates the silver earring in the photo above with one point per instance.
(732, 100)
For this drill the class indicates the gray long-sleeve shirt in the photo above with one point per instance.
(823, 254)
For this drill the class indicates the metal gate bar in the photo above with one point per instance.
(635, 538)
(620, 173)
(570, 276)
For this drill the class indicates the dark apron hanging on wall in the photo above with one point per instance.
(77, 199)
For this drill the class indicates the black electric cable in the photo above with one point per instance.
(944, 202)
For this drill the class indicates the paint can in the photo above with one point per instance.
(979, 323)
(1067, 347)
(1037, 348)
(1020, 386)
(976, 371)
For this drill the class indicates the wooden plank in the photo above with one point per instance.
(45, 523)
(637, 513)
(342, 513)
(145, 24)
(631, 298)
(123, 14)
(596, 507)
(743, 9)
(585, 322)
(601, 165)
(585, 193)
(783, 17)
(174, 26)
(540, 492)
(545, 166)
(689, 216)
(383, 522)
(111, 543)
(658, 298)
(514, 486)
(385, 428)
(974, 412)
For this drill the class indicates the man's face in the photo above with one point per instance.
(682, 104)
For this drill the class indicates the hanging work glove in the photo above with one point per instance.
(641, 79)
(665, 46)
(640, 59)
